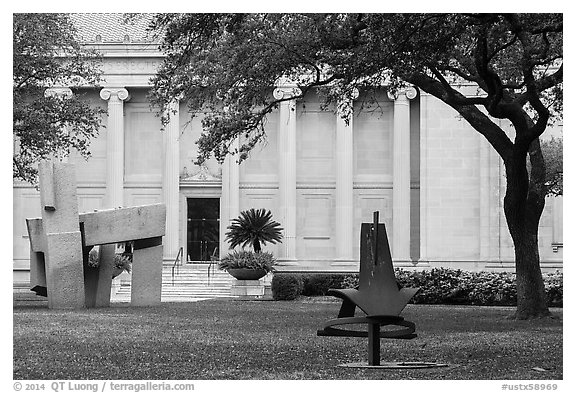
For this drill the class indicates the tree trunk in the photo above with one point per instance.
(523, 207)
(257, 247)
(529, 283)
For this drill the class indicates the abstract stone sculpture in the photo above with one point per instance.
(61, 240)
(378, 296)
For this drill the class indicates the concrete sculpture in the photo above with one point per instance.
(61, 240)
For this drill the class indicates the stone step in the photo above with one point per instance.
(197, 277)
(168, 277)
(198, 281)
(125, 298)
(185, 293)
(184, 288)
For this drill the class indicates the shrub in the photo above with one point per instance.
(351, 281)
(491, 288)
(454, 286)
(248, 260)
(286, 286)
(435, 285)
(554, 288)
(319, 284)
(122, 261)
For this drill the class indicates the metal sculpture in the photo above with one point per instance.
(378, 295)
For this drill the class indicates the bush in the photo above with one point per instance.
(554, 288)
(447, 286)
(122, 261)
(491, 289)
(286, 286)
(248, 260)
(450, 286)
(436, 285)
(351, 281)
(319, 284)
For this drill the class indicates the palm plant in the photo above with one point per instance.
(254, 227)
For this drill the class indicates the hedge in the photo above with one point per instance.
(437, 286)
(286, 286)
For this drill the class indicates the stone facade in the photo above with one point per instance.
(437, 183)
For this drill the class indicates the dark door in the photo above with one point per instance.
(203, 228)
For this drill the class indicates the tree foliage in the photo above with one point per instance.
(485, 66)
(46, 54)
(225, 65)
(553, 151)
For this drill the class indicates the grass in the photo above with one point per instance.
(227, 339)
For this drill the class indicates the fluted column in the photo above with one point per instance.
(287, 169)
(61, 93)
(344, 183)
(171, 181)
(115, 145)
(401, 175)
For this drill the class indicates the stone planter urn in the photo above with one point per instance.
(247, 285)
(247, 274)
(116, 271)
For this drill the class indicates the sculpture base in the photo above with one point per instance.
(395, 365)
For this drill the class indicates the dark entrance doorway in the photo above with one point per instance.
(203, 230)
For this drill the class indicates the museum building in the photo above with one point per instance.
(436, 182)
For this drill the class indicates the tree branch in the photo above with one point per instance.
(542, 84)
(481, 123)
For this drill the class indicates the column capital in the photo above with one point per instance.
(286, 92)
(120, 93)
(409, 91)
(58, 92)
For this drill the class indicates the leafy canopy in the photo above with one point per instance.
(225, 65)
(484, 66)
(46, 54)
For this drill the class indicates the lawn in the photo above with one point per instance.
(228, 339)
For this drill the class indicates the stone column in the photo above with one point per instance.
(424, 179)
(230, 208)
(401, 175)
(115, 145)
(485, 194)
(287, 169)
(233, 183)
(344, 184)
(171, 181)
(489, 204)
(557, 218)
(61, 93)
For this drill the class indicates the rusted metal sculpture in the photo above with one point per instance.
(378, 295)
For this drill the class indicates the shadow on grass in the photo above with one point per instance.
(227, 339)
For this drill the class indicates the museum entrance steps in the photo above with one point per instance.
(189, 282)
